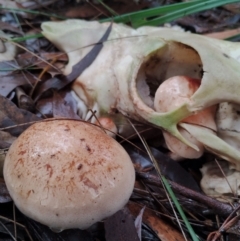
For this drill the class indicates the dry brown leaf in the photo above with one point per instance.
(57, 59)
(64, 105)
(224, 34)
(233, 7)
(11, 115)
(9, 82)
(6, 139)
(14, 5)
(164, 231)
(120, 227)
(10, 27)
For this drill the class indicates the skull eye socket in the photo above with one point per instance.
(173, 59)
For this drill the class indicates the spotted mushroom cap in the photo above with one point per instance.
(68, 174)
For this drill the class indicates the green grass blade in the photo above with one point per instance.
(233, 38)
(173, 197)
(21, 39)
(180, 210)
(167, 13)
(184, 12)
(124, 18)
(167, 186)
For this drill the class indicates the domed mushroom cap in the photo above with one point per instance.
(68, 174)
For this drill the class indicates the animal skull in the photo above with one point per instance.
(134, 62)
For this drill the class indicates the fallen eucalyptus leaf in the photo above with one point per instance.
(163, 229)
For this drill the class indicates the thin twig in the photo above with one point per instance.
(219, 166)
(160, 175)
(222, 209)
(8, 231)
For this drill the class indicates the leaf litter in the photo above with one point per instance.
(20, 106)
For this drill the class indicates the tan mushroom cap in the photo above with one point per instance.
(68, 174)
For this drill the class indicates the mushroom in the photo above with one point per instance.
(173, 93)
(68, 174)
(107, 125)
